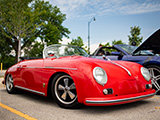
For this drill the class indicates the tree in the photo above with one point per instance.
(50, 21)
(22, 24)
(34, 50)
(77, 42)
(115, 42)
(16, 22)
(7, 60)
(5, 48)
(134, 38)
(107, 44)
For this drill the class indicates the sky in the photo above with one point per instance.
(113, 19)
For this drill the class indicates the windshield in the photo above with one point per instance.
(130, 49)
(63, 50)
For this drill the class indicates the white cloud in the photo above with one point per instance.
(65, 41)
(94, 46)
(140, 8)
(86, 8)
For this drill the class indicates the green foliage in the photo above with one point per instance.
(7, 60)
(21, 23)
(5, 48)
(34, 50)
(49, 22)
(17, 23)
(77, 42)
(135, 32)
(115, 42)
(107, 44)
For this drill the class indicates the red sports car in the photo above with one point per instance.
(72, 78)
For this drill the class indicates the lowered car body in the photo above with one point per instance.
(72, 78)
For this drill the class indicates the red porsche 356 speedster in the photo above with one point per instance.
(73, 78)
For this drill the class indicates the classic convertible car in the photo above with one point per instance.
(147, 54)
(72, 78)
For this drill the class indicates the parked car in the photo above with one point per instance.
(147, 54)
(73, 78)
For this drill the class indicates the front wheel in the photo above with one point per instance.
(9, 84)
(155, 76)
(64, 92)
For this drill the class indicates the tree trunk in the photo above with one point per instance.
(19, 50)
(16, 60)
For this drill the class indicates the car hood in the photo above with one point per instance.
(152, 43)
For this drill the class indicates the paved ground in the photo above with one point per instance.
(25, 105)
(2, 72)
(1, 85)
(42, 108)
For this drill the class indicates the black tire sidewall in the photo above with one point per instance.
(13, 90)
(157, 67)
(73, 105)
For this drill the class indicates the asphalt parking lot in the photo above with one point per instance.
(2, 72)
(25, 105)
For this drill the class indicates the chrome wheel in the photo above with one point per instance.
(64, 91)
(155, 76)
(9, 84)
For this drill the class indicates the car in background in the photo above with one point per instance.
(72, 78)
(147, 54)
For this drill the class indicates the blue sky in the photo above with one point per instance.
(113, 19)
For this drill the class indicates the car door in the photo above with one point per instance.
(107, 51)
(30, 74)
(138, 59)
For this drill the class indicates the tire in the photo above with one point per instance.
(10, 85)
(155, 76)
(64, 91)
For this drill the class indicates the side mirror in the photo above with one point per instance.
(52, 54)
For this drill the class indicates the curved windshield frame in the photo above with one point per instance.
(130, 49)
(58, 50)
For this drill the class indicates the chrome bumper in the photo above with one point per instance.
(118, 101)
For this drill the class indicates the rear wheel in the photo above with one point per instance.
(63, 90)
(9, 84)
(155, 76)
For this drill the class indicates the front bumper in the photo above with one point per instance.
(118, 99)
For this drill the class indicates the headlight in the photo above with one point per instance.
(100, 75)
(145, 73)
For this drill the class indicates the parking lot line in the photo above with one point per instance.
(27, 117)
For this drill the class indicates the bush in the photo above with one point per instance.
(7, 61)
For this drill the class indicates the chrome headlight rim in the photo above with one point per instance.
(100, 76)
(145, 73)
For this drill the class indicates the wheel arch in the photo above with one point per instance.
(149, 64)
(51, 79)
